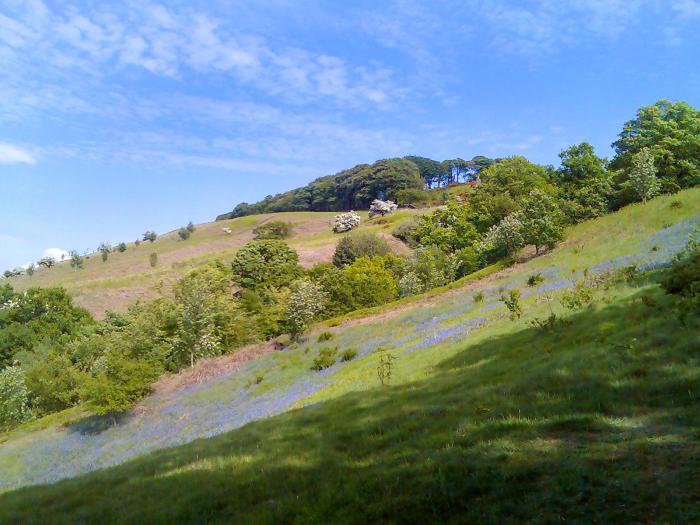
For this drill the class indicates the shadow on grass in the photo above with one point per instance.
(596, 424)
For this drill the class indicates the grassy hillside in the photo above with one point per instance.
(484, 418)
(127, 277)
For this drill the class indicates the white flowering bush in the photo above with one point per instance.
(379, 207)
(504, 238)
(345, 222)
(305, 303)
(14, 397)
(410, 284)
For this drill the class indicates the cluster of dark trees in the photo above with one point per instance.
(357, 187)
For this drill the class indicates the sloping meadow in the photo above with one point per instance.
(415, 338)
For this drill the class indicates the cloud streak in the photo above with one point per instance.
(10, 154)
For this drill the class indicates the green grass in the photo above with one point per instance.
(597, 421)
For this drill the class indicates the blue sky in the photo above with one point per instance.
(117, 118)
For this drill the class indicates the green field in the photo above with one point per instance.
(484, 419)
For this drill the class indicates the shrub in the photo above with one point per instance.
(406, 232)
(432, 266)
(259, 379)
(325, 359)
(363, 244)
(368, 283)
(325, 336)
(305, 303)
(118, 383)
(684, 277)
(52, 379)
(535, 279)
(121, 247)
(580, 296)
(105, 255)
(504, 238)
(382, 208)
(274, 230)
(266, 263)
(466, 261)
(450, 228)
(676, 204)
(411, 196)
(190, 227)
(184, 234)
(512, 302)
(14, 398)
(348, 355)
(478, 297)
(344, 222)
(153, 259)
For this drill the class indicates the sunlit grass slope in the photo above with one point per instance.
(127, 277)
(484, 420)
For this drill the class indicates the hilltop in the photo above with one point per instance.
(484, 418)
(127, 277)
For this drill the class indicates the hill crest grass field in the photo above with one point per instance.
(583, 410)
(128, 277)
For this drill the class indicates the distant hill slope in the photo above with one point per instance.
(127, 277)
(355, 188)
(485, 419)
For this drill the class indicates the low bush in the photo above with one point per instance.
(357, 245)
(348, 355)
(325, 336)
(534, 280)
(325, 359)
(274, 230)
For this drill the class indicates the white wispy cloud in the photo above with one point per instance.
(10, 154)
(57, 253)
(168, 43)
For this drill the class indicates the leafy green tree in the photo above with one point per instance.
(585, 184)
(51, 378)
(370, 283)
(515, 176)
(38, 314)
(14, 398)
(184, 234)
(671, 130)
(432, 266)
(642, 175)
(273, 230)
(360, 244)
(150, 236)
(118, 383)
(542, 220)
(76, 260)
(450, 228)
(47, 262)
(266, 263)
(503, 239)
